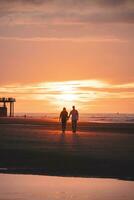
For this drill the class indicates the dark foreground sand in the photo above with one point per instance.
(36, 146)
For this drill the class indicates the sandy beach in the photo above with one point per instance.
(16, 186)
(36, 146)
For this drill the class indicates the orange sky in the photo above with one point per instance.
(85, 46)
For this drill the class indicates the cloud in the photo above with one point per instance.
(81, 91)
(70, 2)
(71, 11)
(64, 39)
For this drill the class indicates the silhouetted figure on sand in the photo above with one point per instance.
(63, 118)
(75, 116)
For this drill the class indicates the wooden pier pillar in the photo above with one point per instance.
(11, 104)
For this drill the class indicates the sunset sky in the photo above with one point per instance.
(56, 53)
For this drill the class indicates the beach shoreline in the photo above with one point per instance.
(36, 146)
(54, 124)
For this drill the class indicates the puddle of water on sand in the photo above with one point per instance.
(26, 187)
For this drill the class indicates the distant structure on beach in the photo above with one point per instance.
(3, 108)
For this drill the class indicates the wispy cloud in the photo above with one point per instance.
(81, 91)
(71, 11)
(87, 95)
(65, 39)
(41, 20)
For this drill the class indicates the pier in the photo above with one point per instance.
(3, 108)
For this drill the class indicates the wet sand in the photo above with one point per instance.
(36, 146)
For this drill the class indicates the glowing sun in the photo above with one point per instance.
(67, 97)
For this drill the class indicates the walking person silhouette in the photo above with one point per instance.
(63, 118)
(75, 116)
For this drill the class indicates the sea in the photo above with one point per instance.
(88, 117)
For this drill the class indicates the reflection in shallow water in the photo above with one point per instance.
(26, 187)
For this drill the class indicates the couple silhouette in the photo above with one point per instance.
(64, 117)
